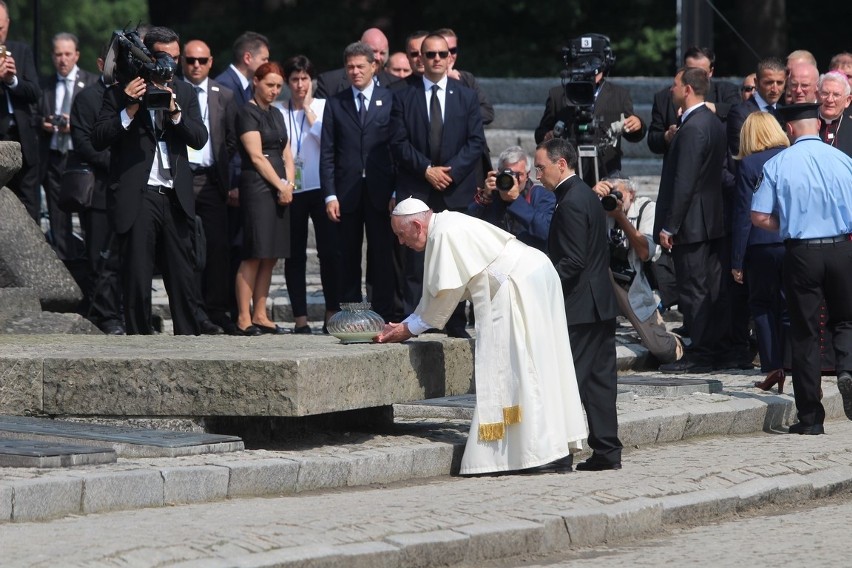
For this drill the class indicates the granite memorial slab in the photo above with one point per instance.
(675, 386)
(34, 453)
(125, 441)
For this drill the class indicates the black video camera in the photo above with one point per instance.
(584, 58)
(128, 58)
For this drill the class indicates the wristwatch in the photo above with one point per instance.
(176, 111)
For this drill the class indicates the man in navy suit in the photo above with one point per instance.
(251, 50)
(689, 222)
(332, 82)
(357, 177)
(437, 142)
(771, 78)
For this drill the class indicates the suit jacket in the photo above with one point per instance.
(723, 94)
(612, 101)
(736, 118)
(228, 78)
(843, 135)
(347, 149)
(25, 97)
(462, 142)
(221, 113)
(84, 113)
(527, 220)
(335, 81)
(133, 151)
(47, 104)
(690, 203)
(578, 248)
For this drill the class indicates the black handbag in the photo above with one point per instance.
(76, 189)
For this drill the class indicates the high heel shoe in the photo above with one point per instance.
(773, 378)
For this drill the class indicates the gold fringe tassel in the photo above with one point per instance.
(512, 415)
(491, 432)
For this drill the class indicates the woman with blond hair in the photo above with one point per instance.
(757, 254)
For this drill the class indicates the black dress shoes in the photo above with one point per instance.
(458, 332)
(562, 465)
(806, 429)
(844, 385)
(207, 327)
(303, 330)
(685, 366)
(112, 328)
(250, 331)
(592, 464)
(272, 329)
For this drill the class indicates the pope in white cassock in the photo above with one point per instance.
(528, 413)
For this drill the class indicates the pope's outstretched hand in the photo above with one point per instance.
(394, 333)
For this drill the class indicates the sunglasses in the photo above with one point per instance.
(194, 60)
(436, 54)
(454, 50)
(746, 89)
(414, 54)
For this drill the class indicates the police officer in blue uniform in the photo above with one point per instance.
(806, 195)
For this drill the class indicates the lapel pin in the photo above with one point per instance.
(378, 103)
(214, 88)
(81, 84)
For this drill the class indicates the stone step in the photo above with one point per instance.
(124, 441)
(41, 454)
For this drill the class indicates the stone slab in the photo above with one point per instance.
(127, 442)
(285, 375)
(657, 386)
(26, 260)
(11, 160)
(16, 301)
(33, 453)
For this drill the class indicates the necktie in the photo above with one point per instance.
(63, 140)
(362, 110)
(436, 127)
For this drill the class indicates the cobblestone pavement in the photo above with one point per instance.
(453, 520)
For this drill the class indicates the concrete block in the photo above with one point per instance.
(697, 506)
(46, 498)
(825, 483)
(384, 465)
(501, 539)
(631, 518)
(6, 493)
(586, 526)
(433, 548)
(197, 484)
(26, 260)
(21, 387)
(262, 477)
(116, 490)
(320, 473)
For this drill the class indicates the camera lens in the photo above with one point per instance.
(505, 180)
(610, 202)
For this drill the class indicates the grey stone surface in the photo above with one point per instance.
(498, 539)
(11, 160)
(45, 498)
(41, 323)
(36, 453)
(26, 260)
(21, 386)
(631, 518)
(134, 489)
(5, 503)
(268, 477)
(661, 386)
(17, 301)
(321, 473)
(194, 484)
(432, 548)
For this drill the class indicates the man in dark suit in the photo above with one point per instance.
(771, 77)
(721, 96)
(578, 248)
(19, 95)
(835, 119)
(150, 199)
(689, 221)
(211, 183)
(102, 304)
(251, 50)
(58, 93)
(337, 80)
(357, 179)
(437, 143)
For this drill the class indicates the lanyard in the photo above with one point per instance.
(293, 127)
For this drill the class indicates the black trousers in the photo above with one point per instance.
(161, 234)
(102, 250)
(376, 224)
(814, 272)
(60, 221)
(702, 296)
(764, 273)
(211, 208)
(593, 348)
(310, 205)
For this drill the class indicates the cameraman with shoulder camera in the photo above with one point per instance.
(630, 226)
(150, 197)
(590, 59)
(512, 202)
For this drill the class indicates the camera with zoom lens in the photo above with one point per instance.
(505, 180)
(610, 202)
(619, 263)
(128, 58)
(58, 121)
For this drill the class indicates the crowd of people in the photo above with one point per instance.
(215, 188)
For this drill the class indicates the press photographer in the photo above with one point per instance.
(512, 202)
(588, 110)
(630, 224)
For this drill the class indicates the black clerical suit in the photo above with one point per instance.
(577, 246)
(52, 160)
(610, 103)
(154, 224)
(690, 207)
(103, 292)
(20, 125)
(838, 135)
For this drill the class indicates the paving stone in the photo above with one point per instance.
(380, 467)
(697, 506)
(36, 453)
(46, 498)
(266, 477)
(585, 526)
(132, 489)
(194, 484)
(631, 518)
(499, 539)
(6, 493)
(432, 548)
(319, 473)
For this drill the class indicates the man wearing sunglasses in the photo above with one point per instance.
(437, 141)
(747, 89)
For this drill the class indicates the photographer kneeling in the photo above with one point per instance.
(512, 202)
(630, 224)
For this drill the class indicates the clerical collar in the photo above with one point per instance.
(829, 120)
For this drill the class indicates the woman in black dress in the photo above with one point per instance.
(266, 190)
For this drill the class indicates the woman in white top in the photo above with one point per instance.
(303, 117)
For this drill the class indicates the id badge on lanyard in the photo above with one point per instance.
(297, 183)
